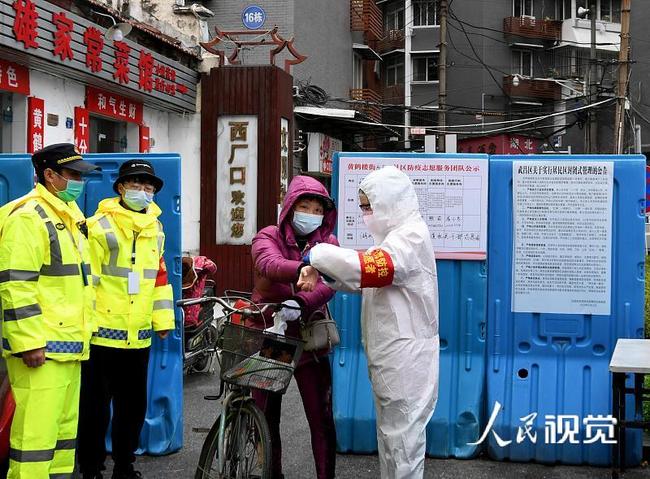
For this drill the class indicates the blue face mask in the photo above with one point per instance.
(73, 189)
(137, 200)
(305, 223)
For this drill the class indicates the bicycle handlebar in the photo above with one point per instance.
(258, 308)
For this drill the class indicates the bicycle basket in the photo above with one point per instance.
(257, 359)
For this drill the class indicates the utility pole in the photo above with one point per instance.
(591, 86)
(442, 76)
(623, 74)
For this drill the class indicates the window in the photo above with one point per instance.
(107, 136)
(425, 68)
(563, 10)
(394, 17)
(607, 10)
(610, 11)
(357, 71)
(425, 12)
(522, 63)
(394, 70)
(522, 8)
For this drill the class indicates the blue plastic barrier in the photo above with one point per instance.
(16, 177)
(557, 364)
(162, 432)
(459, 414)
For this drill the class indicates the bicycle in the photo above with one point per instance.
(238, 445)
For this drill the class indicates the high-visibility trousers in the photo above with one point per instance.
(44, 428)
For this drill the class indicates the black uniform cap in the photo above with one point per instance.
(61, 155)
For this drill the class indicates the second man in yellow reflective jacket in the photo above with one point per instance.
(134, 301)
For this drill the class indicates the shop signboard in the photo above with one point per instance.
(43, 34)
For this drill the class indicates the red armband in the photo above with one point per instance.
(161, 277)
(377, 269)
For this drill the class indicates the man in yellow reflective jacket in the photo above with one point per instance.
(134, 300)
(47, 313)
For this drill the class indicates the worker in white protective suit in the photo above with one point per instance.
(399, 314)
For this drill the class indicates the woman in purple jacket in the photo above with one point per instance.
(308, 217)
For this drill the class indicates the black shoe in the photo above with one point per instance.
(131, 474)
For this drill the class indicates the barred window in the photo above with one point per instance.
(425, 12)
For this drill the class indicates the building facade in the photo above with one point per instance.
(506, 60)
(67, 77)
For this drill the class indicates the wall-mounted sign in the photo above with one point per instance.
(253, 17)
(145, 139)
(81, 129)
(320, 152)
(504, 144)
(35, 124)
(236, 179)
(453, 196)
(284, 159)
(562, 260)
(115, 106)
(14, 78)
(76, 47)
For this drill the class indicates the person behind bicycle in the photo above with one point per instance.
(307, 218)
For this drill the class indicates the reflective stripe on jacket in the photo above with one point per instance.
(127, 320)
(43, 256)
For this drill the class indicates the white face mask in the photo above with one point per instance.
(374, 225)
(137, 200)
(306, 223)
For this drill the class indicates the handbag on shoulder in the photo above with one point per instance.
(319, 331)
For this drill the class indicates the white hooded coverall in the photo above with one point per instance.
(399, 317)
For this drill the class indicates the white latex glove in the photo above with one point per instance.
(288, 314)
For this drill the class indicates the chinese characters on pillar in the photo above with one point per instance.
(238, 135)
(236, 179)
(284, 160)
(35, 118)
(81, 129)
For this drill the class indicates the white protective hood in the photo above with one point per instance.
(399, 319)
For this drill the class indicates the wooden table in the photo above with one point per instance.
(631, 356)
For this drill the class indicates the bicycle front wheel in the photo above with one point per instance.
(247, 446)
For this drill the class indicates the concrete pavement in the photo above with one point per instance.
(298, 464)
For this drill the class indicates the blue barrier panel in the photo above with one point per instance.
(163, 429)
(16, 176)
(557, 364)
(459, 414)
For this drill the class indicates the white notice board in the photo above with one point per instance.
(562, 259)
(453, 195)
